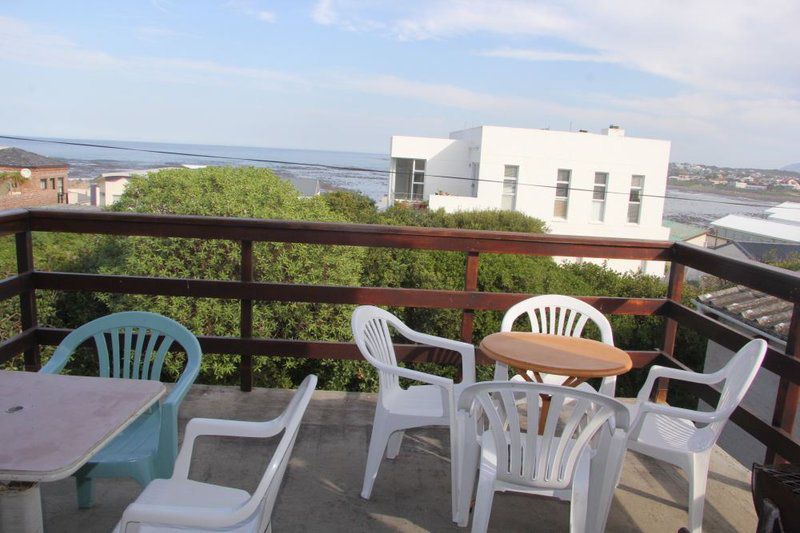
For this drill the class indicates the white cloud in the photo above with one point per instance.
(156, 33)
(266, 16)
(251, 8)
(323, 13)
(729, 46)
(544, 55)
(22, 43)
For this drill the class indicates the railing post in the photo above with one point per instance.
(246, 319)
(788, 393)
(470, 284)
(27, 300)
(677, 273)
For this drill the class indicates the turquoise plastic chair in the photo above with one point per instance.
(147, 448)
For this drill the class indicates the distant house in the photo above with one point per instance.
(790, 183)
(41, 180)
(688, 233)
(772, 229)
(109, 187)
(579, 183)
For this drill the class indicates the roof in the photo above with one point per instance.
(765, 313)
(18, 158)
(679, 231)
(770, 229)
(787, 212)
(767, 252)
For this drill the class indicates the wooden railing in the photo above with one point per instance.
(776, 434)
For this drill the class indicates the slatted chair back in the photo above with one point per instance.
(739, 374)
(556, 314)
(510, 412)
(130, 344)
(374, 339)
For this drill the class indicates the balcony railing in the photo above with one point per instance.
(775, 434)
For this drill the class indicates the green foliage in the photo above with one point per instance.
(353, 206)
(257, 193)
(232, 192)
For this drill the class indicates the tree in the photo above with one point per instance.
(235, 192)
(10, 180)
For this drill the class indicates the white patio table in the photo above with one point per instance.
(50, 425)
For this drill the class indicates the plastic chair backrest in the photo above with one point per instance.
(557, 314)
(371, 332)
(525, 457)
(138, 347)
(263, 498)
(739, 374)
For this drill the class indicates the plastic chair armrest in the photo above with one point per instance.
(233, 428)
(220, 428)
(647, 407)
(465, 350)
(419, 376)
(657, 372)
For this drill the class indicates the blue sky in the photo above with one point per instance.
(720, 79)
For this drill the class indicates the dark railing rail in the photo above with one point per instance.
(775, 434)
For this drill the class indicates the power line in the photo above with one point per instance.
(361, 169)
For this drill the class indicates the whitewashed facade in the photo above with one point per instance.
(579, 183)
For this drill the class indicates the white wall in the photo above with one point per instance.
(444, 157)
(540, 153)
(110, 189)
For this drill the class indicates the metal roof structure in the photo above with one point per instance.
(786, 212)
(18, 158)
(770, 229)
(755, 309)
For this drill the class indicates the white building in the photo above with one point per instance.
(108, 188)
(782, 225)
(579, 183)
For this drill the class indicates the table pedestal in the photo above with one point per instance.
(20, 508)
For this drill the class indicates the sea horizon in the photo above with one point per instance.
(363, 172)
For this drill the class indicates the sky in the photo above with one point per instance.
(718, 78)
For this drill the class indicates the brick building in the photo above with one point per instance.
(44, 181)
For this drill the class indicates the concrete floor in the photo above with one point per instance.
(412, 492)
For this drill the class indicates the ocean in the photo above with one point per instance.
(363, 172)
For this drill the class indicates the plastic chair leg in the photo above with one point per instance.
(85, 487)
(579, 500)
(377, 446)
(468, 470)
(483, 503)
(698, 477)
(393, 448)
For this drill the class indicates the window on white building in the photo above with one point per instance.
(599, 196)
(409, 182)
(562, 193)
(635, 199)
(510, 176)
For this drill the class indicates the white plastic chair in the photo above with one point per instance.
(685, 437)
(180, 504)
(499, 424)
(556, 314)
(399, 409)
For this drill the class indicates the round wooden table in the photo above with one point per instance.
(575, 358)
